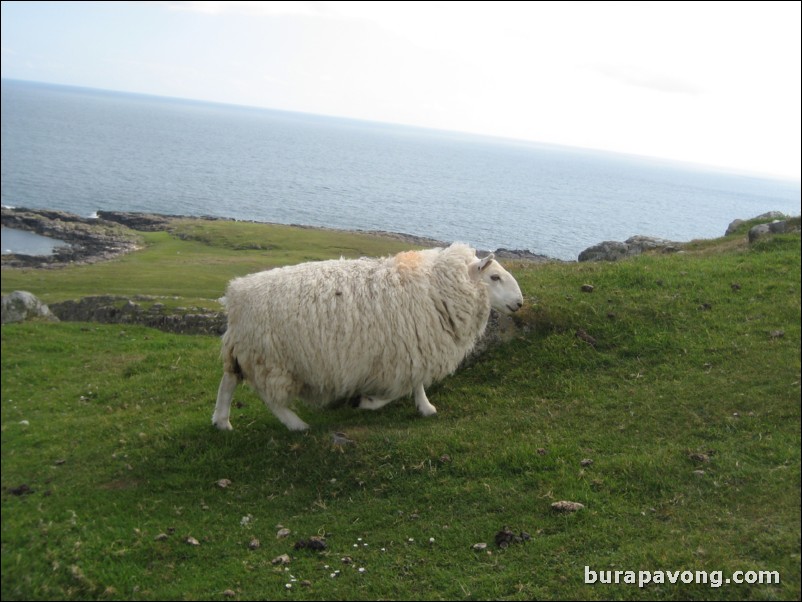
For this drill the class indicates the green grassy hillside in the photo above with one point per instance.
(667, 401)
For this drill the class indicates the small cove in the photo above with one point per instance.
(21, 242)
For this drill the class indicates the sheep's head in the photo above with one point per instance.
(505, 294)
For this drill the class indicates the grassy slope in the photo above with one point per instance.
(118, 446)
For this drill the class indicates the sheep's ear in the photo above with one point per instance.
(484, 263)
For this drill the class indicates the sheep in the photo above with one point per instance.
(375, 328)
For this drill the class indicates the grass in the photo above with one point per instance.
(110, 429)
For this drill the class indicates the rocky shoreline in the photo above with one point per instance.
(114, 233)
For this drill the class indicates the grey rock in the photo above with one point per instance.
(608, 250)
(21, 306)
(639, 244)
(775, 227)
(635, 245)
(519, 254)
(769, 215)
(734, 225)
(779, 227)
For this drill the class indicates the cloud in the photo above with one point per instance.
(644, 77)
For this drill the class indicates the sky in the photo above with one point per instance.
(713, 83)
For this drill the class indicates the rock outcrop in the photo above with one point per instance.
(737, 223)
(520, 254)
(776, 227)
(143, 310)
(21, 306)
(143, 222)
(613, 251)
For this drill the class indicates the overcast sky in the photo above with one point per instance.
(714, 83)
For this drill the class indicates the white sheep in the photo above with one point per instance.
(379, 328)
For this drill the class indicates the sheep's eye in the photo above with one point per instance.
(495, 277)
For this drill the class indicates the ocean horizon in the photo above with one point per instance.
(83, 150)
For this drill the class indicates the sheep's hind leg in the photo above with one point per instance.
(222, 409)
(287, 417)
(422, 402)
(277, 388)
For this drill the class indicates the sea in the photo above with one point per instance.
(83, 150)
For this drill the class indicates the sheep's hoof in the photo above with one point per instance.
(429, 410)
(288, 418)
(222, 426)
(366, 402)
(297, 426)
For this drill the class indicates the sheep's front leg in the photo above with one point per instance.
(422, 402)
(222, 409)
